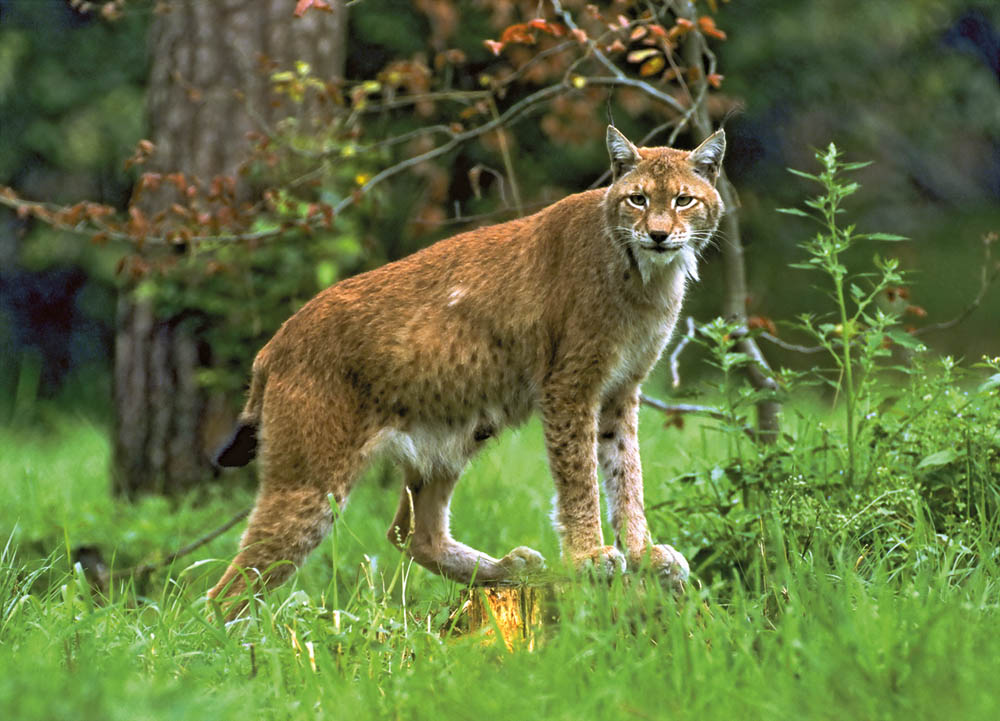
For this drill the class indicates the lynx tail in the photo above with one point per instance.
(241, 447)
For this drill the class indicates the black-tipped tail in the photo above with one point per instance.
(240, 449)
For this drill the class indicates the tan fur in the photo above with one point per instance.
(563, 312)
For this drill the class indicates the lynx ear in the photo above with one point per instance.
(624, 155)
(707, 157)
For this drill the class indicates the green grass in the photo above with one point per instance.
(839, 631)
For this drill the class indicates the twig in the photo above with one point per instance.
(465, 96)
(675, 378)
(146, 568)
(790, 346)
(618, 77)
(507, 116)
(686, 408)
(986, 279)
(507, 162)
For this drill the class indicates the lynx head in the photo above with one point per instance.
(662, 206)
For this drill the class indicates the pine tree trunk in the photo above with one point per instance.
(208, 88)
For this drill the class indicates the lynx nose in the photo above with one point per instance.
(658, 237)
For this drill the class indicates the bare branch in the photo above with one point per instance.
(189, 548)
(507, 116)
(402, 101)
(618, 77)
(688, 408)
(675, 378)
(790, 346)
(988, 275)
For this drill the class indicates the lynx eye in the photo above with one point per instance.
(637, 199)
(683, 201)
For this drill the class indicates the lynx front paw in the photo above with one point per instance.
(603, 561)
(522, 561)
(669, 565)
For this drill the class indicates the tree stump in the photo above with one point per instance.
(514, 614)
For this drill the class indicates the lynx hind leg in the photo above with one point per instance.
(421, 529)
(284, 527)
(301, 465)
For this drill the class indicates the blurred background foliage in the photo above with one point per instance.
(913, 86)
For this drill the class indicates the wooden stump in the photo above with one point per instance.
(512, 613)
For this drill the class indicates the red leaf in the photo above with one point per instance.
(682, 27)
(519, 33)
(715, 80)
(327, 211)
(138, 226)
(762, 322)
(546, 27)
(302, 5)
(493, 46)
(150, 180)
(707, 25)
(652, 66)
(178, 181)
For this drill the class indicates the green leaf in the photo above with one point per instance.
(937, 460)
(904, 339)
(794, 211)
(326, 273)
(883, 236)
(803, 174)
(990, 383)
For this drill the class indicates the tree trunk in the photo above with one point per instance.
(209, 86)
(734, 303)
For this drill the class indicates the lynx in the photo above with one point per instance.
(563, 312)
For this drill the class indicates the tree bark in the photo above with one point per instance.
(209, 86)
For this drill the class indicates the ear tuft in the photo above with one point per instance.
(707, 157)
(624, 155)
